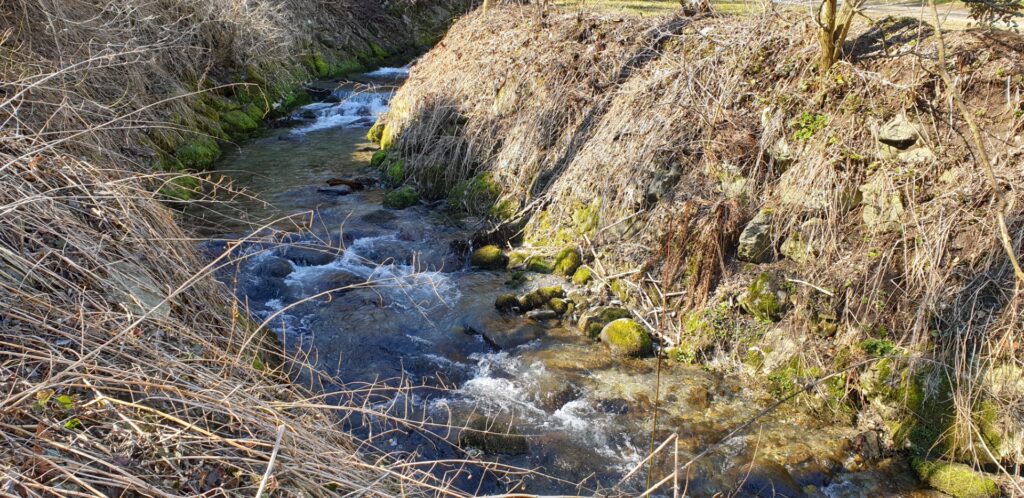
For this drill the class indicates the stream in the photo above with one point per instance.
(380, 301)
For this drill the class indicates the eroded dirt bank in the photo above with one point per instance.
(828, 232)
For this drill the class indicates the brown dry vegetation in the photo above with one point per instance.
(643, 140)
(126, 369)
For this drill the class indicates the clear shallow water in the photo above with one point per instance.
(377, 297)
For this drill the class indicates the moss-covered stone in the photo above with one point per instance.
(182, 188)
(395, 174)
(506, 302)
(626, 338)
(540, 297)
(956, 480)
(489, 258)
(518, 259)
(239, 123)
(539, 264)
(198, 154)
(767, 298)
(582, 276)
(388, 137)
(378, 159)
(401, 198)
(559, 305)
(618, 287)
(593, 321)
(376, 132)
(567, 262)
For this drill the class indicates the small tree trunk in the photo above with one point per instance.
(488, 4)
(827, 35)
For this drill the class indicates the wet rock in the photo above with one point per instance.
(554, 395)
(541, 315)
(582, 276)
(379, 217)
(699, 397)
(617, 406)
(507, 302)
(899, 133)
(272, 267)
(883, 206)
(770, 480)
(626, 338)
(954, 479)
(489, 258)
(264, 289)
(767, 298)
(336, 281)
(567, 262)
(756, 240)
(339, 190)
(355, 185)
(592, 322)
(493, 437)
(504, 334)
(309, 255)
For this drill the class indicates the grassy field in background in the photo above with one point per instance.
(659, 7)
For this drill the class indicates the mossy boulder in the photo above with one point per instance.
(592, 322)
(376, 132)
(767, 298)
(198, 154)
(378, 158)
(239, 123)
(627, 338)
(489, 258)
(518, 259)
(539, 264)
(956, 480)
(506, 302)
(540, 297)
(401, 198)
(582, 276)
(567, 262)
(560, 306)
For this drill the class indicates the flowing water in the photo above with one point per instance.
(380, 301)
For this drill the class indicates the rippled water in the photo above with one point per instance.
(378, 297)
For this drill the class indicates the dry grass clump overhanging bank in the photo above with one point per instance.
(127, 370)
(757, 215)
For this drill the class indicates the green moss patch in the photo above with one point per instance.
(567, 262)
(626, 338)
(401, 198)
(582, 276)
(956, 480)
(198, 154)
(489, 258)
(767, 298)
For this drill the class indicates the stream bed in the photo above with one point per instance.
(383, 302)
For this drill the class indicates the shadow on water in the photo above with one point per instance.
(377, 300)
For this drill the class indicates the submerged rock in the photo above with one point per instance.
(489, 258)
(626, 338)
(493, 437)
(756, 240)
